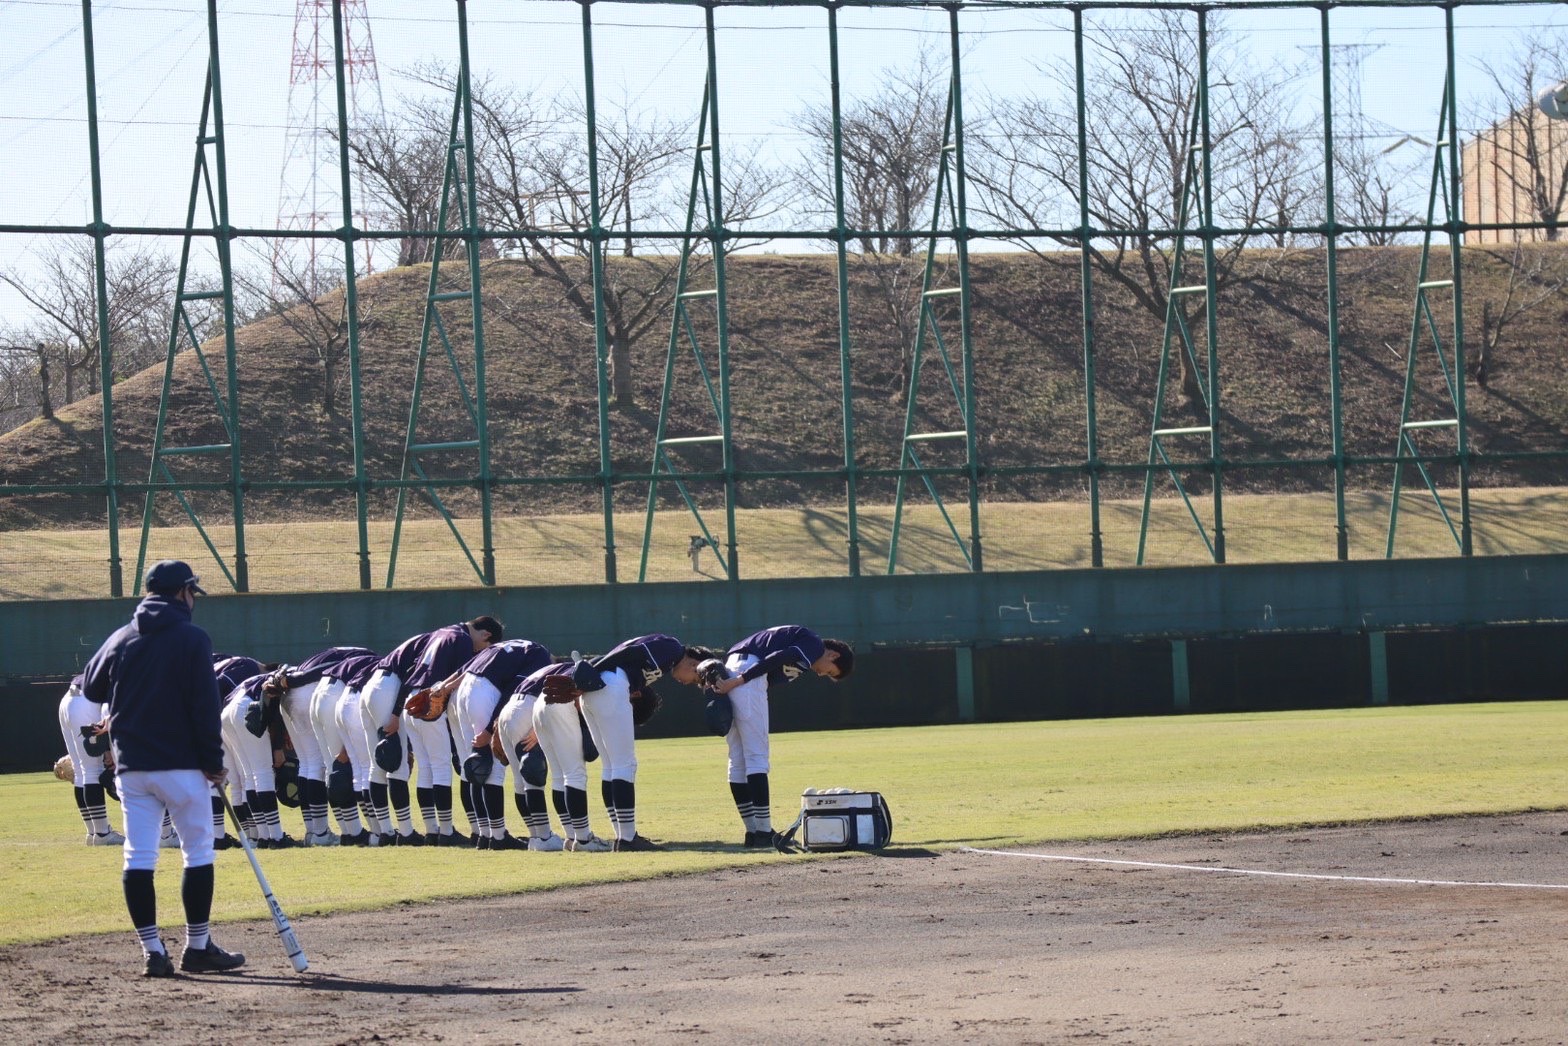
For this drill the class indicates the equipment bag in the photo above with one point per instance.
(844, 819)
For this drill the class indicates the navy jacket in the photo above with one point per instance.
(155, 674)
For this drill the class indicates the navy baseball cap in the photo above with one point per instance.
(171, 575)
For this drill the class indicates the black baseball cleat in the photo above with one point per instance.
(225, 842)
(758, 840)
(508, 842)
(637, 843)
(210, 959)
(481, 842)
(158, 965)
(411, 839)
(287, 842)
(360, 838)
(432, 838)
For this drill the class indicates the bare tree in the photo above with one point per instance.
(1534, 278)
(1141, 94)
(63, 291)
(283, 290)
(1527, 152)
(891, 143)
(403, 162)
(535, 183)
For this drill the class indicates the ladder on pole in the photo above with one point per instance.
(457, 199)
(928, 336)
(1445, 188)
(702, 222)
(183, 335)
(1178, 339)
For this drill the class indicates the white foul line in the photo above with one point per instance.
(1262, 872)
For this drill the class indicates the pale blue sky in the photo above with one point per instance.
(773, 61)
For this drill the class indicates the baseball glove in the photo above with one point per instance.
(498, 749)
(559, 690)
(418, 705)
(64, 769)
(645, 703)
(710, 672)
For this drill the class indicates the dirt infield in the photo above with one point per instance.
(904, 947)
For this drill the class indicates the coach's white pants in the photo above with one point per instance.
(608, 711)
(145, 795)
(748, 736)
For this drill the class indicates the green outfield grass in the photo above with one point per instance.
(999, 784)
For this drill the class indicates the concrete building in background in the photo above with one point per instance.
(1514, 171)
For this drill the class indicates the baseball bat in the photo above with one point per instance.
(291, 946)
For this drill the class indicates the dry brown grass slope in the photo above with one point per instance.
(1027, 336)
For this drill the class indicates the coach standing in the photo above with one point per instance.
(155, 674)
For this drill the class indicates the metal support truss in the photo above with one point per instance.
(950, 197)
(1196, 198)
(457, 199)
(208, 181)
(704, 229)
(1445, 187)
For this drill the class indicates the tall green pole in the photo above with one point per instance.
(598, 243)
(351, 304)
(105, 350)
(475, 288)
(719, 246)
(1211, 319)
(961, 245)
(1336, 402)
(1086, 280)
(841, 235)
(225, 266)
(1455, 245)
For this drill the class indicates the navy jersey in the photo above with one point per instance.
(507, 664)
(355, 670)
(533, 683)
(645, 659)
(444, 652)
(234, 670)
(784, 653)
(315, 666)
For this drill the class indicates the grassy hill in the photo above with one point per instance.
(1027, 335)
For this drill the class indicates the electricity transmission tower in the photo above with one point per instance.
(310, 196)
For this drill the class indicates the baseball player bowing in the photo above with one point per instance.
(477, 690)
(607, 683)
(413, 664)
(558, 728)
(767, 659)
(155, 674)
(334, 712)
(293, 687)
(81, 725)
